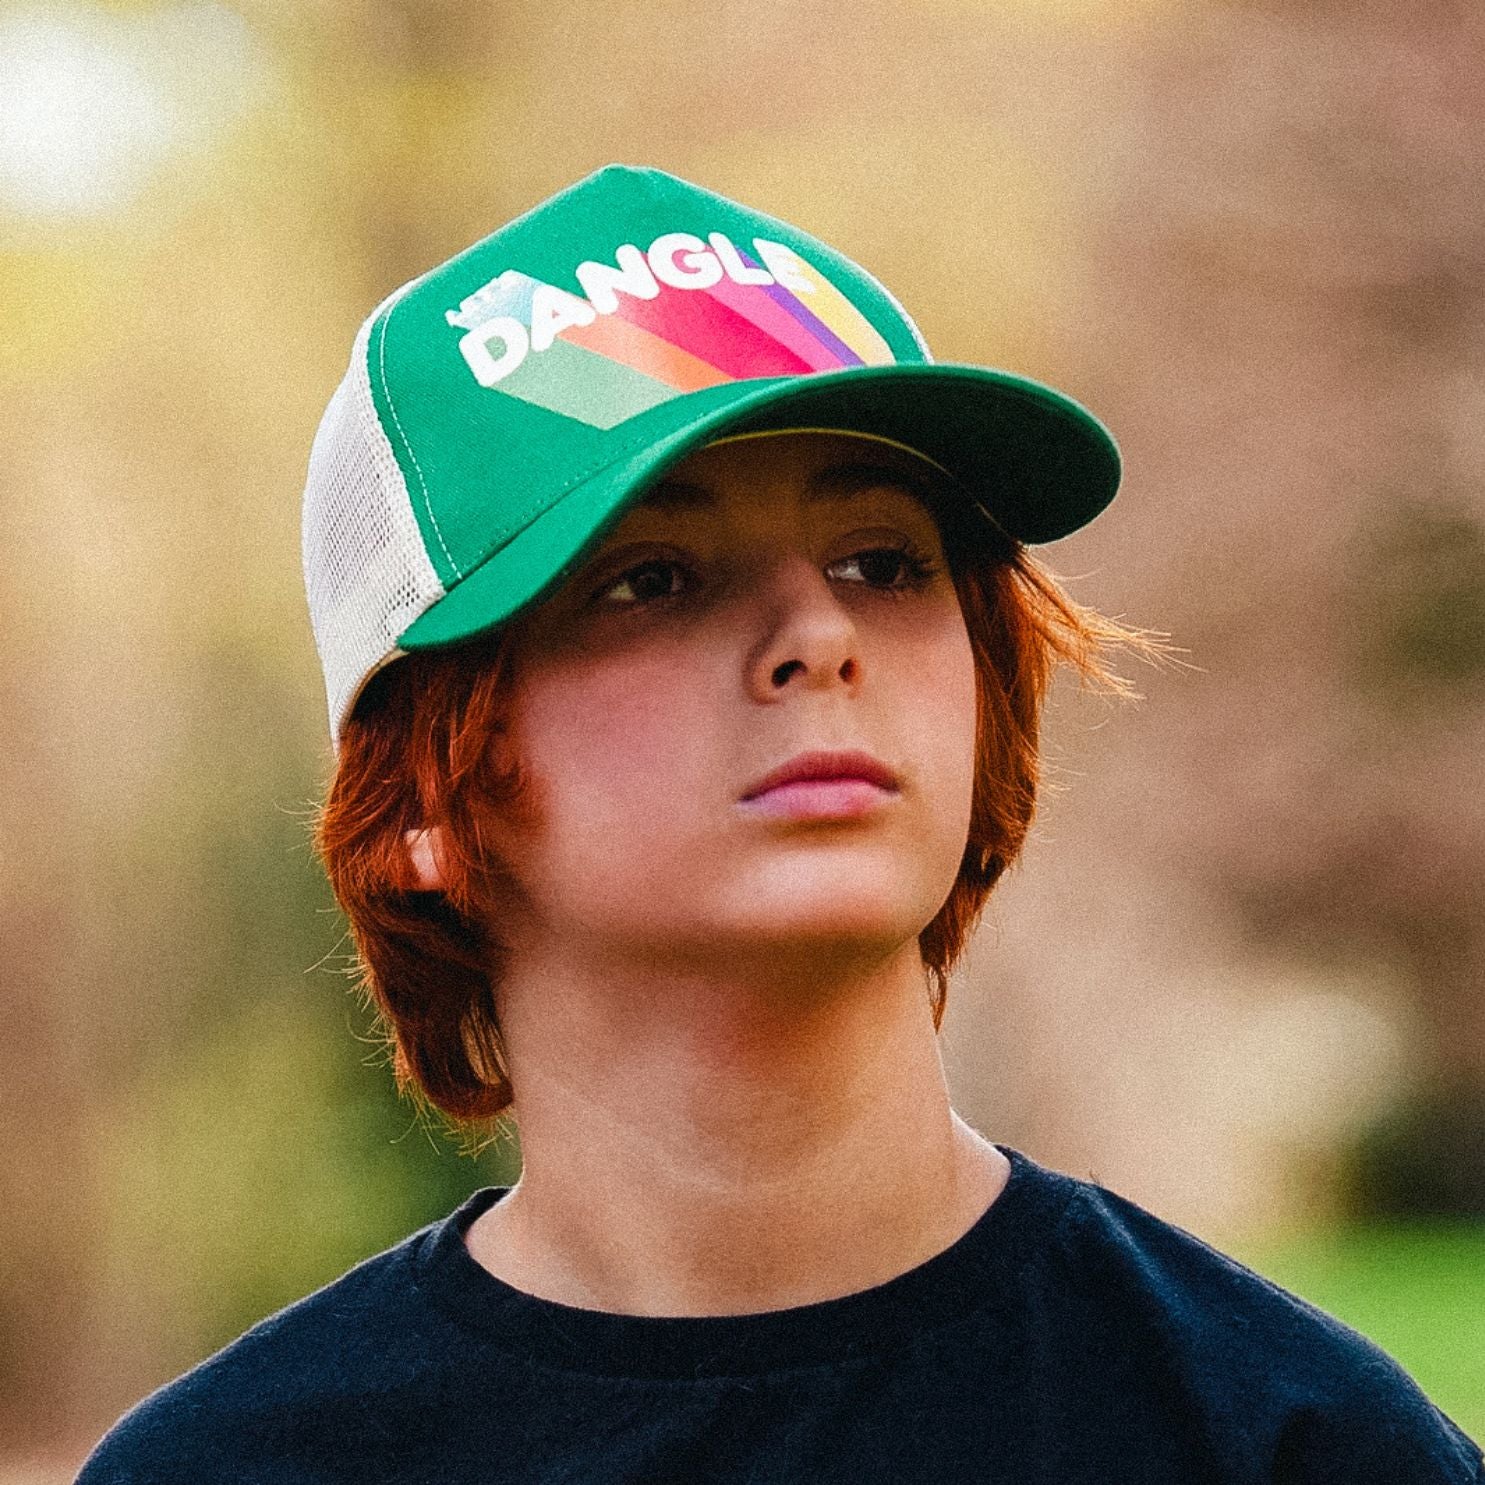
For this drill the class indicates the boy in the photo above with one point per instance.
(685, 664)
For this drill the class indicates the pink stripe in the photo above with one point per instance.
(710, 331)
(752, 302)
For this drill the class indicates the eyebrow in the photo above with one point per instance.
(837, 482)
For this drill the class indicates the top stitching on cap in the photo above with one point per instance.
(381, 347)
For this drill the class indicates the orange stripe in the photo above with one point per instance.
(632, 346)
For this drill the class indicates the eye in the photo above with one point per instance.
(646, 583)
(891, 571)
(879, 565)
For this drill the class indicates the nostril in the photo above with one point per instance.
(782, 672)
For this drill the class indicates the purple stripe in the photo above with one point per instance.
(821, 331)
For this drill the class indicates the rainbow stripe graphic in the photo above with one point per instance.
(650, 350)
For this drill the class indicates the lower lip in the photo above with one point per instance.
(819, 799)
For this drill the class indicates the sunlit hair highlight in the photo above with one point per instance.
(421, 747)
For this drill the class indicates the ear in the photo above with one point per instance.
(425, 856)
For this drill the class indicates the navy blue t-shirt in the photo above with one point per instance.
(1069, 1336)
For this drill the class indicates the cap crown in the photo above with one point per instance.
(484, 390)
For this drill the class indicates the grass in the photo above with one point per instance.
(1418, 1291)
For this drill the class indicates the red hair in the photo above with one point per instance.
(418, 749)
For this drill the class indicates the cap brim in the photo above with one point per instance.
(1038, 462)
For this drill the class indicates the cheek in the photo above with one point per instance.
(939, 676)
(605, 743)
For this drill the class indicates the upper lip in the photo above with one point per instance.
(852, 764)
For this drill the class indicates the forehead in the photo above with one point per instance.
(813, 468)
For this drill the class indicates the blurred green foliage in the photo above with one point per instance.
(1423, 1158)
(260, 1162)
(1418, 608)
(1416, 1289)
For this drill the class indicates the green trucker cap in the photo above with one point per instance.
(501, 410)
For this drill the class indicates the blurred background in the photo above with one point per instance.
(1238, 973)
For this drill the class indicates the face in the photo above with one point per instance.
(772, 596)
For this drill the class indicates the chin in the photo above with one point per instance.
(852, 894)
(824, 919)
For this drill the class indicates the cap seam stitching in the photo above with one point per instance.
(381, 347)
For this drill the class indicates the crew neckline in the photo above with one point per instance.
(972, 1272)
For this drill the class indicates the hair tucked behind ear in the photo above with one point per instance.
(422, 748)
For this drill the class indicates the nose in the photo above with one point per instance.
(807, 639)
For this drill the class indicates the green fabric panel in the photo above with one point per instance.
(478, 460)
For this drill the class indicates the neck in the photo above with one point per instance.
(695, 1144)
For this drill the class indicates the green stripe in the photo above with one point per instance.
(581, 384)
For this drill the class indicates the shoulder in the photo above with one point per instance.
(251, 1401)
(1254, 1353)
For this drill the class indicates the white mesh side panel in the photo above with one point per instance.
(366, 571)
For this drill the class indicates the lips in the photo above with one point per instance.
(823, 766)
